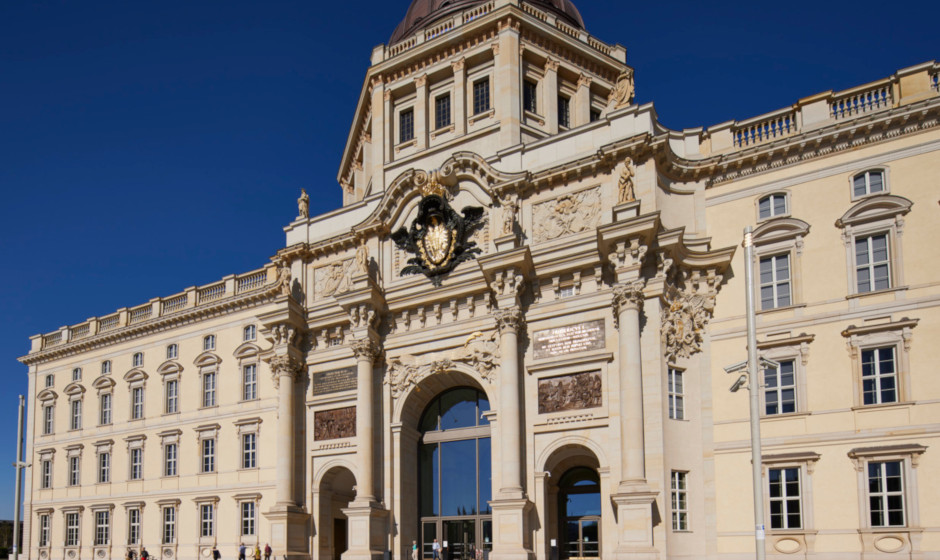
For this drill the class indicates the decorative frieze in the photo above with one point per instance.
(566, 215)
(570, 392)
(334, 424)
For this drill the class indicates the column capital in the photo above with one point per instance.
(551, 65)
(421, 81)
(365, 349)
(628, 295)
(510, 319)
(285, 366)
(457, 65)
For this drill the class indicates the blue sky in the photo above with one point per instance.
(149, 146)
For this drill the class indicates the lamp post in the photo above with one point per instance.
(753, 387)
(20, 465)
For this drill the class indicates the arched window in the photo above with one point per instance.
(455, 473)
(208, 343)
(772, 206)
(138, 359)
(869, 182)
(579, 509)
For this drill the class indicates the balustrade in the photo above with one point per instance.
(251, 282)
(211, 293)
(141, 314)
(175, 303)
(109, 323)
(776, 126)
(856, 103)
(80, 331)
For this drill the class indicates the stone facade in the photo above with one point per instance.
(547, 246)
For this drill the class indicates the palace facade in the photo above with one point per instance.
(511, 337)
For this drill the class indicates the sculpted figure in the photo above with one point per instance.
(362, 259)
(622, 94)
(284, 278)
(625, 186)
(510, 210)
(303, 204)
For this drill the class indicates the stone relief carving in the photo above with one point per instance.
(283, 279)
(334, 278)
(480, 351)
(685, 316)
(568, 214)
(285, 334)
(365, 348)
(625, 188)
(334, 424)
(570, 392)
(361, 316)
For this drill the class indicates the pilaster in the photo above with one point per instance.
(506, 91)
(421, 111)
(377, 136)
(459, 97)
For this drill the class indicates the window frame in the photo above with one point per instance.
(137, 360)
(102, 527)
(76, 374)
(253, 396)
(208, 343)
(530, 95)
(878, 378)
(486, 95)
(44, 523)
(249, 455)
(137, 408)
(45, 472)
(75, 414)
(168, 519)
(795, 349)
(675, 399)
(105, 413)
(680, 518)
(563, 102)
(775, 282)
(881, 214)
(134, 527)
(171, 398)
(135, 463)
(106, 367)
(75, 470)
(805, 462)
(206, 520)
(908, 455)
(104, 466)
(48, 419)
(209, 382)
(248, 525)
(775, 237)
(885, 182)
(172, 351)
(770, 197)
(402, 112)
(207, 455)
(897, 334)
(73, 532)
(250, 333)
(439, 124)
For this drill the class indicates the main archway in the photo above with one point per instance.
(455, 474)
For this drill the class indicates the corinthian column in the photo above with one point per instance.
(365, 351)
(628, 299)
(508, 321)
(284, 370)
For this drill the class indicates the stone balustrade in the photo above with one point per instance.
(764, 128)
(229, 287)
(859, 101)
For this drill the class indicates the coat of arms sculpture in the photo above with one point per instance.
(439, 236)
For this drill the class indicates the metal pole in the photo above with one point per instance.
(19, 464)
(753, 386)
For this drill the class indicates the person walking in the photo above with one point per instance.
(241, 551)
(436, 550)
(216, 555)
(414, 550)
(144, 555)
(267, 551)
(257, 552)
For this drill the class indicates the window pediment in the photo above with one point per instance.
(47, 395)
(206, 359)
(135, 375)
(103, 382)
(169, 367)
(779, 229)
(247, 350)
(74, 389)
(875, 208)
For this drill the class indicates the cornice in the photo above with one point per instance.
(157, 324)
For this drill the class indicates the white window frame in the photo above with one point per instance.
(897, 334)
(771, 197)
(45, 472)
(679, 501)
(137, 404)
(75, 414)
(172, 351)
(775, 282)
(795, 349)
(73, 528)
(805, 462)
(45, 529)
(75, 470)
(248, 512)
(104, 466)
(877, 353)
(105, 408)
(250, 382)
(209, 380)
(208, 343)
(135, 463)
(871, 266)
(207, 455)
(171, 459)
(778, 388)
(885, 183)
(249, 333)
(168, 533)
(872, 216)
(675, 393)
(138, 359)
(206, 520)
(48, 419)
(171, 402)
(50, 380)
(106, 367)
(102, 527)
(249, 450)
(134, 525)
(775, 237)
(76, 374)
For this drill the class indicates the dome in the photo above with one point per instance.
(424, 12)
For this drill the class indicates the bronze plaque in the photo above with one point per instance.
(334, 381)
(570, 392)
(572, 338)
(335, 423)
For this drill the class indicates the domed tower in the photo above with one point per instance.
(481, 76)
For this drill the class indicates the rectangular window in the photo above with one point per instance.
(249, 451)
(47, 419)
(170, 459)
(137, 403)
(169, 525)
(76, 374)
(250, 332)
(775, 282)
(172, 351)
(529, 96)
(595, 115)
(872, 270)
(676, 398)
(879, 376)
(564, 111)
(481, 96)
(250, 382)
(406, 125)
(172, 396)
(71, 529)
(44, 530)
(785, 498)
(207, 518)
(208, 389)
(248, 519)
(442, 111)
(680, 501)
(75, 471)
(886, 494)
(102, 528)
(45, 476)
(137, 463)
(104, 467)
(104, 414)
(76, 416)
(208, 455)
(133, 526)
(780, 389)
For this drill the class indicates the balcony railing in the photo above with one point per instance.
(764, 129)
(853, 102)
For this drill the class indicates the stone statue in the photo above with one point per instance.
(625, 185)
(362, 259)
(283, 279)
(303, 204)
(622, 94)
(510, 210)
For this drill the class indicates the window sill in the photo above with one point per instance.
(443, 130)
(774, 217)
(406, 144)
(876, 292)
(535, 116)
(480, 116)
(785, 308)
(785, 415)
(899, 404)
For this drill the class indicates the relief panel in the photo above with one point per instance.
(570, 392)
(566, 215)
(334, 424)
(333, 279)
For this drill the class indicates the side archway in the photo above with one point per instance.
(574, 481)
(334, 488)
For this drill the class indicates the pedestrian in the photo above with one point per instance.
(414, 550)
(241, 551)
(267, 551)
(144, 555)
(436, 550)
(257, 552)
(216, 555)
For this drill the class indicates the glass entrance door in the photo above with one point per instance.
(461, 538)
(582, 539)
(579, 508)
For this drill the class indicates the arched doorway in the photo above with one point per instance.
(579, 513)
(455, 474)
(336, 491)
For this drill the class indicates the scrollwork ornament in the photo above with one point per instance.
(366, 349)
(509, 319)
(685, 316)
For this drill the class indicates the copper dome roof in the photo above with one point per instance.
(424, 12)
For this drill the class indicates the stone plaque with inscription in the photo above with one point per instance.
(334, 381)
(572, 338)
(335, 423)
(570, 392)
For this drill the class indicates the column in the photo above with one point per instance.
(581, 112)
(284, 371)
(377, 136)
(550, 95)
(421, 111)
(508, 322)
(365, 351)
(628, 298)
(459, 97)
(506, 94)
